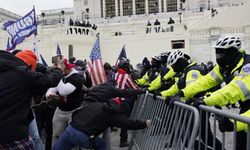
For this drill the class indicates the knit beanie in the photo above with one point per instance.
(28, 57)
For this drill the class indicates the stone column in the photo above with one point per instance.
(164, 5)
(134, 7)
(146, 7)
(116, 7)
(104, 8)
(121, 7)
(159, 6)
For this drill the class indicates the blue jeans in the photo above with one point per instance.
(33, 132)
(72, 137)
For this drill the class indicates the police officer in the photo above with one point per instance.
(165, 79)
(233, 67)
(152, 73)
(188, 72)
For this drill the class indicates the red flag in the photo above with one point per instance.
(95, 65)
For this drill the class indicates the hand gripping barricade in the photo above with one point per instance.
(173, 127)
(229, 140)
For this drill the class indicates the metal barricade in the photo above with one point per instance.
(138, 106)
(173, 127)
(211, 138)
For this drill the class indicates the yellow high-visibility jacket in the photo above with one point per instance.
(243, 126)
(189, 75)
(237, 89)
(144, 80)
(157, 83)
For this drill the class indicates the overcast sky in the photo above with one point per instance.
(22, 7)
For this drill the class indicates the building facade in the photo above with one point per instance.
(193, 32)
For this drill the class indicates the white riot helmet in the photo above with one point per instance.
(228, 41)
(174, 56)
(158, 58)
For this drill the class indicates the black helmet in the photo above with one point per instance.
(72, 59)
(124, 64)
(81, 64)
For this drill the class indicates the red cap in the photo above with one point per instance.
(67, 64)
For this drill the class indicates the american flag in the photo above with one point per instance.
(95, 65)
(58, 50)
(122, 55)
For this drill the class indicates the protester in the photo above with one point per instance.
(125, 81)
(98, 114)
(108, 71)
(70, 92)
(81, 67)
(44, 112)
(18, 85)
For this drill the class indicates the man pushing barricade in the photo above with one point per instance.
(99, 112)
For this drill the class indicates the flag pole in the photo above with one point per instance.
(34, 38)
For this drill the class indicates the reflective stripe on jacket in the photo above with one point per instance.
(237, 89)
(208, 81)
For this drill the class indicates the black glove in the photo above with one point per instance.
(155, 94)
(177, 97)
(225, 124)
(172, 99)
(189, 101)
(197, 102)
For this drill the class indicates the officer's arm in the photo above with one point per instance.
(171, 91)
(155, 84)
(170, 74)
(143, 80)
(192, 76)
(237, 89)
(204, 83)
(243, 126)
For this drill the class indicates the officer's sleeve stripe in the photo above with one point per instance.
(215, 76)
(243, 88)
(190, 81)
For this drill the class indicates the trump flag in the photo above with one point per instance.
(20, 29)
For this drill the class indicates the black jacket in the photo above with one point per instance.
(104, 92)
(101, 111)
(17, 86)
(95, 117)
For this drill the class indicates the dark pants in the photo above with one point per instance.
(128, 105)
(44, 115)
(209, 137)
(72, 137)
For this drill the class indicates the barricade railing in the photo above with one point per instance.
(210, 136)
(173, 127)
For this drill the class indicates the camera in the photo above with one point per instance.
(55, 58)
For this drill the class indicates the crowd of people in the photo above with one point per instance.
(157, 27)
(60, 103)
(85, 31)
